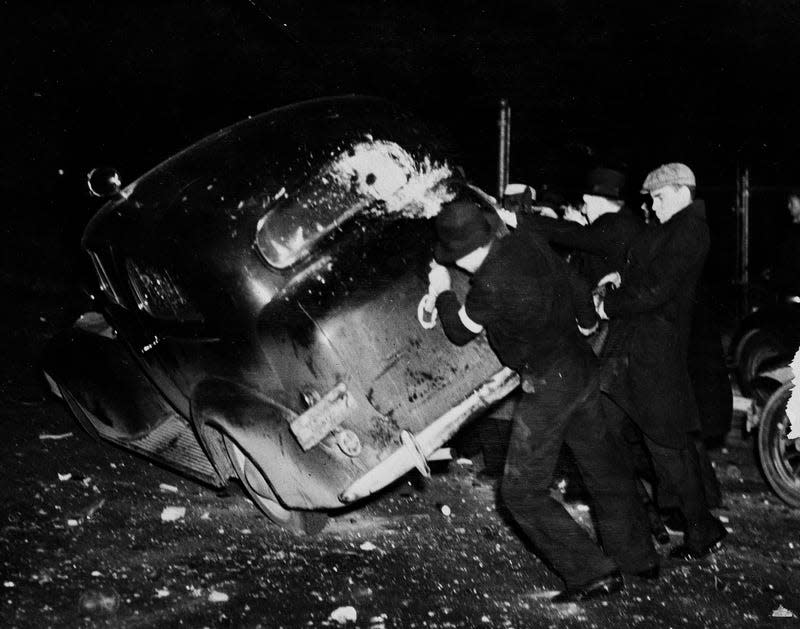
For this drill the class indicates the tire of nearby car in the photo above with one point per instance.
(260, 492)
(779, 457)
(754, 348)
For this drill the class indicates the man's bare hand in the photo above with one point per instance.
(509, 218)
(575, 216)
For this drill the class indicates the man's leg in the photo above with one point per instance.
(629, 445)
(622, 521)
(536, 439)
(677, 471)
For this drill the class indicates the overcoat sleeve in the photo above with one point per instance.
(596, 238)
(664, 275)
(447, 305)
(582, 300)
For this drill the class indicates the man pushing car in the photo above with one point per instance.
(532, 306)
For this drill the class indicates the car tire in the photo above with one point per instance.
(261, 493)
(754, 349)
(778, 456)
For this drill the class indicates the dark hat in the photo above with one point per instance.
(605, 182)
(462, 226)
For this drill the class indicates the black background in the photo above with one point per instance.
(625, 84)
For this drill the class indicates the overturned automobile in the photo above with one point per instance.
(258, 313)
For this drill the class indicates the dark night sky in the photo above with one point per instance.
(126, 84)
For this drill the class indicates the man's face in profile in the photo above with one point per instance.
(669, 200)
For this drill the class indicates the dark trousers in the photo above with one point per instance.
(708, 477)
(677, 476)
(565, 408)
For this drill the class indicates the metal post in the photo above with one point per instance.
(743, 238)
(746, 238)
(504, 148)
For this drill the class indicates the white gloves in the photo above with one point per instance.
(599, 293)
(610, 278)
(438, 279)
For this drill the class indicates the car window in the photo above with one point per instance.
(368, 175)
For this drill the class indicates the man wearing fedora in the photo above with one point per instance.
(601, 244)
(654, 302)
(531, 306)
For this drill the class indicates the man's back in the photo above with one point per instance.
(529, 301)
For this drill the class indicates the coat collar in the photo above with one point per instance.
(696, 210)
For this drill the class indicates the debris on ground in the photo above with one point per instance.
(99, 602)
(64, 477)
(367, 546)
(94, 508)
(782, 612)
(171, 514)
(168, 488)
(45, 436)
(217, 597)
(343, 615)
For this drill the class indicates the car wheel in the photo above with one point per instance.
(754, 349)
(779, 457)
(261, 493)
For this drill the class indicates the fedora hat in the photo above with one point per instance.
(461, 227)
(605, 182)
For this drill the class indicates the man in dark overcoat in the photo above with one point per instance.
(531, 306)
(602, 244)
(655, 301)
(600, 249)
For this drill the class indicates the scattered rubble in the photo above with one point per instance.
(45, 436)
(343, 615)
(217, 597)
(171, 514)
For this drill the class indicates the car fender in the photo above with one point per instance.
(261, 427)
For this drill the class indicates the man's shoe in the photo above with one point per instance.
(686, 552)
(602, 586)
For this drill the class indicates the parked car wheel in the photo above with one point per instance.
(260, 492)
(779, 456)
(754, 349)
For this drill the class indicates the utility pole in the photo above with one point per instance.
(743, 236)
(504, 148)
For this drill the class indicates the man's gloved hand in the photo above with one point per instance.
(598, 306)
(438, 279)
(610, 278)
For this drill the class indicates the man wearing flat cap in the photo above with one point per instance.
(655, 301)
(531, 306)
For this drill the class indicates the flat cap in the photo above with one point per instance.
(674, 174)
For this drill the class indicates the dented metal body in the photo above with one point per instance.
(308, 357)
